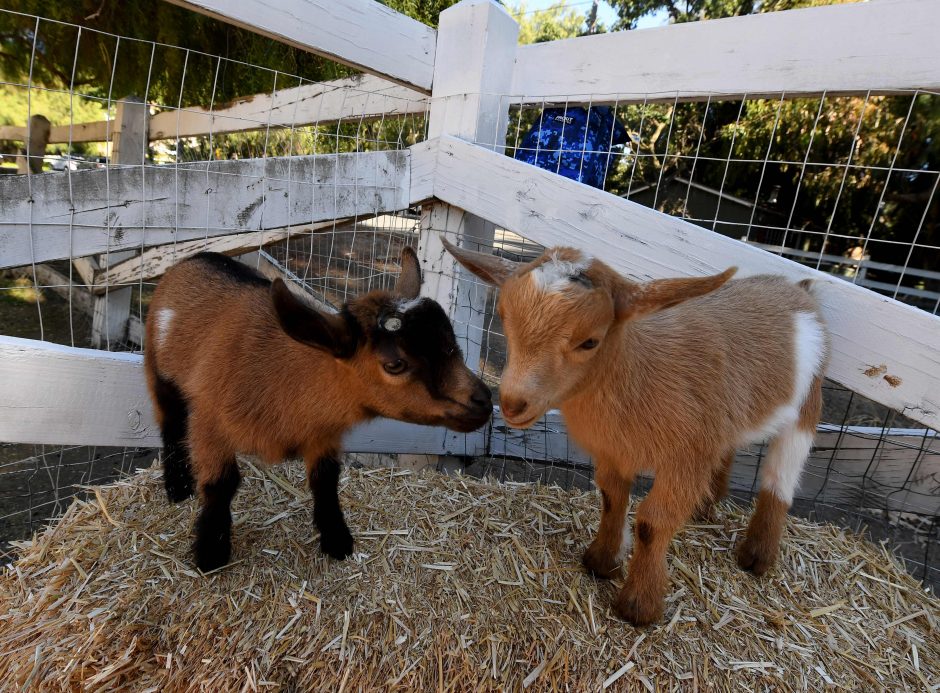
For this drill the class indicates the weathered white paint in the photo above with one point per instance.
(359, 98)
(97, 131)
(129, 148)
(887, 45)
(79, 298)
(476, 45)
(154, 262)
(63, 395)
(423, 158)
(189, 201)
(362, 33)
(867, 329)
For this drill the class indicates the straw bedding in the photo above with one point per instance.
(457, 584)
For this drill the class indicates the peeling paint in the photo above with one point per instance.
(893, 380)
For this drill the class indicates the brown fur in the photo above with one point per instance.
(249, 387)
(684, 369)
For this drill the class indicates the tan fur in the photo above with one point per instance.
(685, 369)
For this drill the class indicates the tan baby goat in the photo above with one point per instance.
(670, 377)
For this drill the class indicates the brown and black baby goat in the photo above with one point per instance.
(236, 364)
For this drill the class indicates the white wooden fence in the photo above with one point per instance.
(473, 71)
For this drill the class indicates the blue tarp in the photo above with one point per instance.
(573, 142)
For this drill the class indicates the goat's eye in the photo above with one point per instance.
(395, 367)
(588, 344)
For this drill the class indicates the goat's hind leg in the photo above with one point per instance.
(173, 415)
(323, 477)
(718, 488)
(786, 457)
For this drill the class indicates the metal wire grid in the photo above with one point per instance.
(297, 132)
(844, 184)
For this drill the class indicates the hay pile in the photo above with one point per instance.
(458, 585)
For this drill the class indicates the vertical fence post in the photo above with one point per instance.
(38, 130)
(476, 50)
(129, 147)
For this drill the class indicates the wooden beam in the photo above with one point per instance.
(62, 134)
(154, 262)
(358, 98)
(361, 33)
(65, 395)
(50, 279)
(61, 395)
(888, 45)
(882, 349)
(104, 210)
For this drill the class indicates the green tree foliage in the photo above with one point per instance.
(555, 22)
(631, 11)
(113, 54)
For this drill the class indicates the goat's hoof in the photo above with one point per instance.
(636, 610)
(756, 557)
(337, 543)
(212, 554)
(599, 563)
(705, 513)
(178, 492)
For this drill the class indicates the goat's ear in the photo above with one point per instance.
(491, 269)
(310, 326)
(636, 300)
(409, 281)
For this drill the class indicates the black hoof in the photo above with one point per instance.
(212, 554)
(178, 490)
(337, 543)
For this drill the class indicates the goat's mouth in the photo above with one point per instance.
(470, 419)
(522, 423)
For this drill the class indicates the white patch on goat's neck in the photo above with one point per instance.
(164, 320)
(556, 274)
(809, 353)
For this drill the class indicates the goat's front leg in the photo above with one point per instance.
(323, 477)
(609, 548)
(674, 497)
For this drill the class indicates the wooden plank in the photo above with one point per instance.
(361, 33)
(60, 395)
(477, 40)
(63, 134)
(868, 330)
(888, 45)
(190, 201)
(48, 278)
(129, 148)
(359, 98)
(64, 395)
(154, 262)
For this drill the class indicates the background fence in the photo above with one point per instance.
(833, 163)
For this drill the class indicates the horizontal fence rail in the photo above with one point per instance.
(882, 349)
(361, 98)
(854, 48)
(85, 212)
(361, 33)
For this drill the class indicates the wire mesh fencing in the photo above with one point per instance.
(844, 184)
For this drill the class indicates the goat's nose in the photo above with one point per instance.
(481, 397)
(512, 407)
